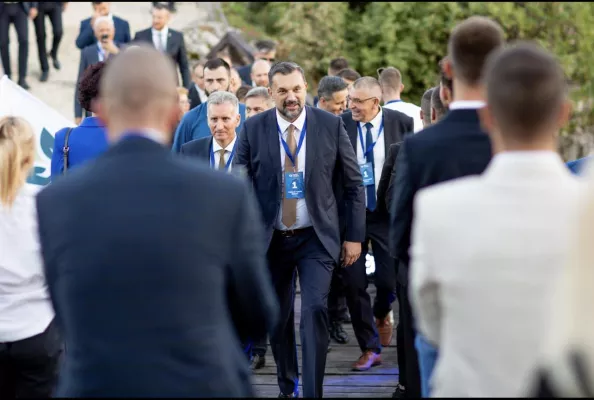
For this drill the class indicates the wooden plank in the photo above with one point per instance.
(340, 380)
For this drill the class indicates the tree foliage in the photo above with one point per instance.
(413, 37)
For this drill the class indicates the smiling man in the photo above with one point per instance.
(291, 154)
(194, 125)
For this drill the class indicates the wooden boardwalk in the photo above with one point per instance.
(340, 380)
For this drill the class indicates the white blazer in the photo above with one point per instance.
(486, 252)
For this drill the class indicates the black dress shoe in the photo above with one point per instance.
(345, 318)
(288, 396)
(399, 393)
(44, 76)
(337, 333)
(24, 84)
(258, 362)
(56, 62)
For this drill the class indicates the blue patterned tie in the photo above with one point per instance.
(371, 202)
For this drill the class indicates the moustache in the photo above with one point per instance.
(291, 103)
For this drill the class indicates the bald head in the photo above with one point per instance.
(260, 71)
(132, 99)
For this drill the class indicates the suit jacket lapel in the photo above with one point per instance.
(311, 143)
(169, 45)
(271, 137)
(351, 128)
(390, 135)
(206, 150)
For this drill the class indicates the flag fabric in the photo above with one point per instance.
(45, 121)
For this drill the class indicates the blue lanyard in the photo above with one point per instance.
(212, 161)
(370, 146)
(392, 101)
(286, 146)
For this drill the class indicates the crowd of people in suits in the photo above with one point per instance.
(179, 220)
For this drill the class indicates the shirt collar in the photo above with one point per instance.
(283, 124)
(467, 105)
(165, 30)
(216, 147)
(375, 122)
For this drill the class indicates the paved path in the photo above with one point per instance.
(58, 91)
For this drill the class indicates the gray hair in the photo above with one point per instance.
(222, 97)
(103, 18)
(329, 85)
(258, 92)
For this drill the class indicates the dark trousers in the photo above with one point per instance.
(29, 367)
(337, 305)
(15, 14)
(359, 304)
(385, 274)
(54, 11)
(408, 362)
(303, 253)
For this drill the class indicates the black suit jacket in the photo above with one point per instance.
(193, 96)
(176, 49)
(396, 126)
(385, 188)
(198, 148)
(154, 292)
(245, 73)
(452, 148)
(329, 154)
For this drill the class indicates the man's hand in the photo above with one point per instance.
(110, 47)
(33, 13)
(77, 120)
(350, 253)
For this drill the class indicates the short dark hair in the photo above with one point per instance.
(284, 68)
(265, 46)
(436, 103)
(526, 88)
(329, 85)
(242, 92)
(389, 78)
(443, 79)
(89, 84)
(349, 74)
(470, 44)
(216, 63)
(338, 64)
(161, 5)
(426, 103)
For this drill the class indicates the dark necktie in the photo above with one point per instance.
(371, 202)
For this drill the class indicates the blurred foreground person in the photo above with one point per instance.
(465, 281)
(152, 300)
(29, 343)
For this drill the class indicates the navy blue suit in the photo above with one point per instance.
(453, 148)
(156, 270)
(86, 36)
(245, 73)
(313, 252)
(86, 142)
(199, 149)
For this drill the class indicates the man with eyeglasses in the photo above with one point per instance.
(372, 129)
(265, 50)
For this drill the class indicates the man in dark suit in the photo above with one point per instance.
(86, 35)
(371, 130)
(223, 119)
(103, 48)
(265, 50)
(17, 13)
(167, 40)
(152, 307)
(292, 154)
(196, 93)
(454, 147)
(53, 10)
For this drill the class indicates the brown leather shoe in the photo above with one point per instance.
(367, 360)
(385, 329)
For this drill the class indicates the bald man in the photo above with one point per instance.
(259, 74)
(372, 129)
(152, 300)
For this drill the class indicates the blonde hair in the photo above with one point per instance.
(17, 155)
(182, 91)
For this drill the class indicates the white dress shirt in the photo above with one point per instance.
(163, 38)
(201, 94)
(25, 308)
(217, 155)
(486, 253)
(409, 109)
(100, 52)
(466, 105)
(379, 150)
(303, 220)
